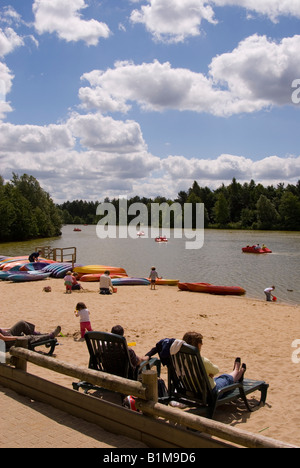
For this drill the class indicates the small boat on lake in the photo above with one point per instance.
(256, 249)
(161, 239)
(76, 229)
(212, 289)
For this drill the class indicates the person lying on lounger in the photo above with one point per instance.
(22, 328)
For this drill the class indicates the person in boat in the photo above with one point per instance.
(106, 286)
(153, 276)
(22, 328)
(268, 293)
(34, 257)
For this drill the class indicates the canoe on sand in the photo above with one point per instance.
(166, 281)
(92, 269)
(212, 289)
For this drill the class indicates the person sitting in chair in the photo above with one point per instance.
(134, 359)
(22, 328)
(196, 339)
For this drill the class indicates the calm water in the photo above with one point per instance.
(219, 261)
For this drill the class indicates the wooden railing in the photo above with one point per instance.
(64, 254)
(154, 432)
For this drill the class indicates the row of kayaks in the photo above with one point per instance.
(19, 269)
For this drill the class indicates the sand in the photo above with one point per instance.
(261, 333)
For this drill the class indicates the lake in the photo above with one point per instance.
(220, 260)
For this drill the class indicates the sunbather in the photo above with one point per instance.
(22, 328)
(196, 339)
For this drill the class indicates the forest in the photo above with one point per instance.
(28, 212)
(236, 206)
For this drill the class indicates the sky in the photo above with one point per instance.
(117, 98)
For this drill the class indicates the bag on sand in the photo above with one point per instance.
(129, 401)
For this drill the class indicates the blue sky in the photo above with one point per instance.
(142, 97)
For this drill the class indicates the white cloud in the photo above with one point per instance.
(175, 20)
(6, 79)
(106, 134)
(9, 40)
(63, 18)
(257, 74)
(259, 70)
(33, 138)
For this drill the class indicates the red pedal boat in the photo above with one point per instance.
(256, 249)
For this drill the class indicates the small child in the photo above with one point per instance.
(68, 282)
(153, 277)
(84, 314)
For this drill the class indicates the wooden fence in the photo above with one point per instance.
(155, 424)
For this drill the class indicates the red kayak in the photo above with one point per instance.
(212, 289)
(256, 250)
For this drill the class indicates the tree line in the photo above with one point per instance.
(236, 206)
(27, 211)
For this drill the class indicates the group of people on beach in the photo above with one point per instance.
(164, 348)
(105, 283)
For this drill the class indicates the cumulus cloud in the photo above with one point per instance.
(106, 134)
(259, 70)
(33, 138)
(175, 20)
(257, 74)
(6, 79)
(64, 19)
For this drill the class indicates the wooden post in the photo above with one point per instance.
(21, 364)
(149, 379)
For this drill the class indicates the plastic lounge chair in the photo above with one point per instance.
(188, 383)
(49, 344)
(109, 353)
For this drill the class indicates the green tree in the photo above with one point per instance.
(267, 215)
(221, 211)
(289, 210)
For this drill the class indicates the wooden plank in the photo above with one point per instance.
(223, 431)
(154, 433)
(109, 381)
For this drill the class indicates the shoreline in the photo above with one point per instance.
(260, 332)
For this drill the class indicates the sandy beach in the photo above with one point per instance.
(261, 333)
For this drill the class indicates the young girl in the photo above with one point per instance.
(84, 314)
(68, 282)
(153, 275)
